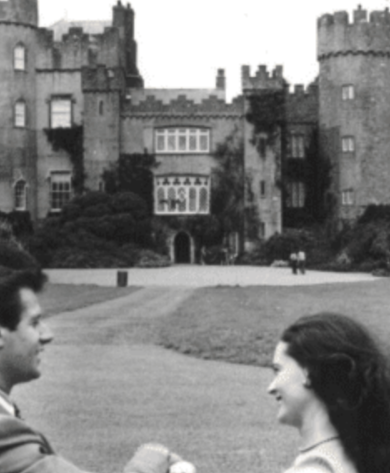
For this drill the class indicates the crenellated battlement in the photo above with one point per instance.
(24, 12)
(262, 79)
(365, 34)
(181, 102)
(102, 79)
(302, 103)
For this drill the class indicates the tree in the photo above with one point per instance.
(229, 183)
(132, 173)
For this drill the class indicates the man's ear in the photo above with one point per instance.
(2, 332)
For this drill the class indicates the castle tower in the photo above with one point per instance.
(18, 155)
(354, 108)
(123, 19)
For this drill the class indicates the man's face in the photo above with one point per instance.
(20, 349)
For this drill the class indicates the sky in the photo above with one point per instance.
(182, 44)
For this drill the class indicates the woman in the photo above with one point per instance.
(332, 383)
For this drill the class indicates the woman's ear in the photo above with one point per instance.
(306, 381)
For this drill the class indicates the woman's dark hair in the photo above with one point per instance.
(350, 373)
(10, 284)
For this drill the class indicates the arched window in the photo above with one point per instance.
(20, 114)
(192, 199)
(203, 200)
(161, 199)
(20, 58)
(20, 191)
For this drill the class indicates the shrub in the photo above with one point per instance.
(150, 259)
(14, 257)
(93, 231)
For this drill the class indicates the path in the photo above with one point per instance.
(203, 276)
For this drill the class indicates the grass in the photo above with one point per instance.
(241, 325)
(107, 387)
(57, 298)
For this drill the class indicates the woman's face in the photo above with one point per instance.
(290, 387)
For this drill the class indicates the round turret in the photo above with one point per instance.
(18, 50)
(354, 110)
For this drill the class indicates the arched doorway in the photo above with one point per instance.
(182, 247)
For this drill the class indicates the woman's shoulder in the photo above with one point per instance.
(326, 458)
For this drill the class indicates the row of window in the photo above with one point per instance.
(60, 113)
(182, 200)
(60, 191)
(182, 140)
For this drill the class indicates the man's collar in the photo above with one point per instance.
(6, 403)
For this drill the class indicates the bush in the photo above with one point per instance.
(94, 230)
(14, 257)
(150, 259)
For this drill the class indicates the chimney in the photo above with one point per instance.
(221, 80)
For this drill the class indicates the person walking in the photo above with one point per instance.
(294, 262)
(331, 382)
(301, 259)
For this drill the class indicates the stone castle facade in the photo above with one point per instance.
(85, 75)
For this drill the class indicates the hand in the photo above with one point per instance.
(149, 458)
(182, 467)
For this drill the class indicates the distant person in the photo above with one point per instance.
(301, 259)
(332, 383)
(294, 262)
(203, 256)
(23, 338)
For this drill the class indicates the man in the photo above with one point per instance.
(23, 337)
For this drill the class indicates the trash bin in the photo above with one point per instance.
(121, 279)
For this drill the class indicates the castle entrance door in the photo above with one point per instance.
(182, 248)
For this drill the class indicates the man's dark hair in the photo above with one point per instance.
(11, 282)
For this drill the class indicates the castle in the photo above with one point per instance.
(325, 153)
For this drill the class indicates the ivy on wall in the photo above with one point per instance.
(71, 141)
(267, 112)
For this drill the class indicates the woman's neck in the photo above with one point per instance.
(316, 428)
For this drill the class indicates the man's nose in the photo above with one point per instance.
(46, 335)
(271, 388)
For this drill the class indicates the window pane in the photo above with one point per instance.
(20, 195)
(20, 114)
(172, 199)
(171, 143)
(160, 199)
(19, 58)
(60, 190)
(203, 200)
(193, 142)
(182, 142)
(160, 142)
(192, 199)
(61, 113)
(182, 200)
(204, 142)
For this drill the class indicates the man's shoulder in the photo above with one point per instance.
(15, 432)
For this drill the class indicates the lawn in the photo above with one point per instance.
(242, 324)
(216, 414)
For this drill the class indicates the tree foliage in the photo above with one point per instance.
(228, 193)
(132, 173)
(94, 230)
(71, 141)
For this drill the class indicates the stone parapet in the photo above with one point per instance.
(363, 35)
